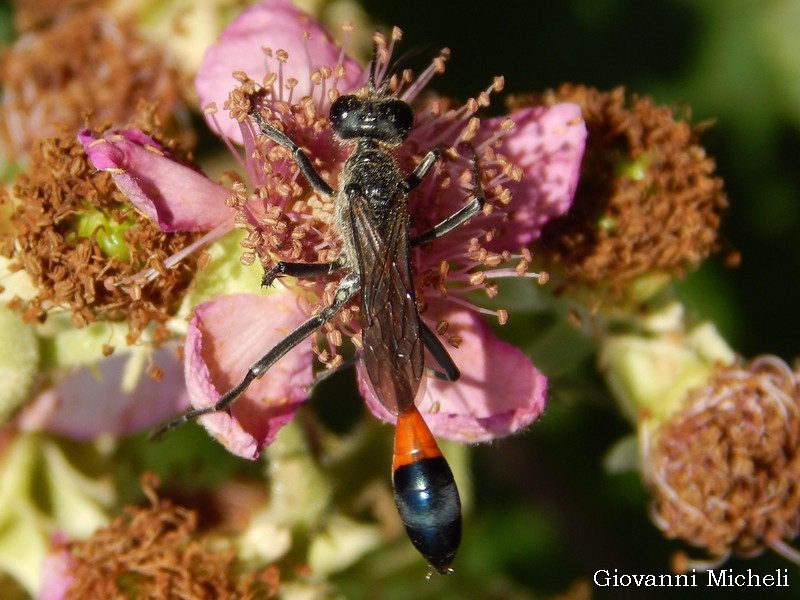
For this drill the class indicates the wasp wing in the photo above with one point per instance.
(392, 347)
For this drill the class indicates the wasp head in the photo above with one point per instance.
(385, 120)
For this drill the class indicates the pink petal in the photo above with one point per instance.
(499, 393)
(225, 336)
(547, 143)
(171, 194)
(277, 25)
(91, 401)
(56, 577)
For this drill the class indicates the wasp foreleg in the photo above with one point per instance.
(314, 179)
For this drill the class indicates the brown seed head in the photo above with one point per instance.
(77, 236)
(725, 470)
(157, 552)
(647, 201)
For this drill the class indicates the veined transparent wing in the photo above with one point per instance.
(392, 352)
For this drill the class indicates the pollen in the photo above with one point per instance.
(647, 201)
(76, 236)
(158, 551)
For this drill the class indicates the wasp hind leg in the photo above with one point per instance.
(440, 354)
(346, 290)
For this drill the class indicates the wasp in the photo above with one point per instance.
(372, 220)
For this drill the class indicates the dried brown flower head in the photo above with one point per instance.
(157, 552)
(80, 61)
(32, 15)
(647, 201)
(77, 236)
(725, 470)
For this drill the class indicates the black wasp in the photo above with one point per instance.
(372, 219)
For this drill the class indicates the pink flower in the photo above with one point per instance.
(528, 162)
(278, 25)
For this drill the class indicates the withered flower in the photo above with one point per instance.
(77, 237)
(153, 552)
(76, 61)
(725, 468)
(648, 204)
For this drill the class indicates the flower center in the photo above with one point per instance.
(286, 219)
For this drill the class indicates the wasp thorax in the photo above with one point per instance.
(386, 120)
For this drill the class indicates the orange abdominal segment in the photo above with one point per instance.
(413, 440)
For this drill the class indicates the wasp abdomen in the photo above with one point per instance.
(425, 491)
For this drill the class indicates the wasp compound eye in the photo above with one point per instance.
(401, 117)
(344, 116)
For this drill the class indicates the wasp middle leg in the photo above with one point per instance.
(299, 270)
(459, 217)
